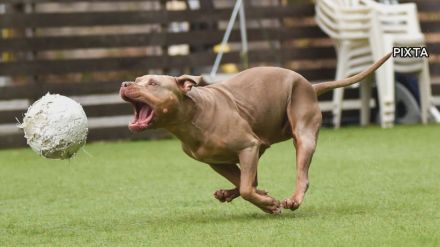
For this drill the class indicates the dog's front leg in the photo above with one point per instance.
(248, 164)
(232, 173)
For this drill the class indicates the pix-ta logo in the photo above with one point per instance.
(410, 52)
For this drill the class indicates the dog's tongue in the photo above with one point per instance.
(144, 112)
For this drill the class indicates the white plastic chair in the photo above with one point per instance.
(364, 36)
(397, 25)
(348, 23)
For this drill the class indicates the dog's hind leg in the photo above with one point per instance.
(305, 119)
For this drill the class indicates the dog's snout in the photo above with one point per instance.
(126, 83)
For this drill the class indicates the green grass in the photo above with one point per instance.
(369, 187)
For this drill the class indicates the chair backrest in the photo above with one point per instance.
(400, 22)
(396, 18)
(343, 19)
(348, 3)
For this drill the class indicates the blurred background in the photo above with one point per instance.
(85, 49)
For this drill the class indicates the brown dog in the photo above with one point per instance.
(235, 121)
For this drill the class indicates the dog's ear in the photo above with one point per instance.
(186, 82)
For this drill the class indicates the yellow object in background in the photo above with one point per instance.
(226, 48)
(6, 33)
(229, 67)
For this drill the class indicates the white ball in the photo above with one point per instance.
(55, 126)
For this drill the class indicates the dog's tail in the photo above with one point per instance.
(324, 87)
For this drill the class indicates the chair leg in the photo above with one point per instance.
(388, 114)
(384, 77)
(365, 88)
(385, 85)
(425, 92)
(338, 98)
(386, 99)
(338, 94)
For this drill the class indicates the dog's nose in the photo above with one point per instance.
(126, 83)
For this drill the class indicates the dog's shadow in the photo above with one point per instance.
(216, 216)
(222, 216)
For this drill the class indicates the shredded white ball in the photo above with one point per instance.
(55, 126)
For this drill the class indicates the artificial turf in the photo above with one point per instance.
(369, 187)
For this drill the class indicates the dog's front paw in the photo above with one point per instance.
(272, 207)
(227, 195)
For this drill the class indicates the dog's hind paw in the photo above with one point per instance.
(291, 204)
(273, 208)
(276, 209)
(268, 204)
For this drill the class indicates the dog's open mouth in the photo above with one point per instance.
(143, 116)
